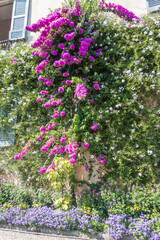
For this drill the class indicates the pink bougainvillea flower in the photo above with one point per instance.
(71, 24)
(101, 159)
(43, 92)
(59, 102)
(42, 169)
(63, 139)
(39, 100)
(18, 156)
(72, 46)
(81, 30)
(69, 36)
(49, 127)
(96, 86)
(66, 56)
(54, 103)
(61, 45)
(81, 91)
(40, 136)
(72, 161)
(60, 89)
(86, 168)
(53, 125)
(47, 105)
(65, 74)
(43, 129)
(68, 82)
(62, 113)
(86, 144)
(54, 53)
(50, 167)
(48, 43)
(56, 63)
(91, 101)
(55, 115)
(62, 62)
(91, 58)
(94, 127)
(48, 83)
(44, 148)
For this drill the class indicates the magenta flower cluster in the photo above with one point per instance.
(74, 46)
(81, 91)
(85, 43)
(119, 10)
(23, 152)
(101, 159)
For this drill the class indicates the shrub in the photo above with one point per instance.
(104, 97)
(132, 200)
(16, 196)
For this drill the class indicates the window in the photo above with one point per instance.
(153, 5)
(19, 19)
(13, 19)
(6, 133)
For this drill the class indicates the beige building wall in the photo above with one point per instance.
(138, 7)
(40, 8)
(82, 175)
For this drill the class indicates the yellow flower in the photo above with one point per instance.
(35, 205)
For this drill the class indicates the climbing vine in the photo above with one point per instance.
(99, 88)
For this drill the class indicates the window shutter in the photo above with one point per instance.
(19, 19)
(153, 5)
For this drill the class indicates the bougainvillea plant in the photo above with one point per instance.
(74, 86)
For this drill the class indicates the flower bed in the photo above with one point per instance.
(117, 226)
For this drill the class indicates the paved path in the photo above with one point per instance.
(18, 235)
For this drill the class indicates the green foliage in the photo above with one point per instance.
(127, 105)
(111, 199)
(125, 108)
(18, 94)
(18, 195)
(89, 6)
(12, 194)
(62, 174)
(44, 197)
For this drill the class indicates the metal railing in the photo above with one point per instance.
(5, 44)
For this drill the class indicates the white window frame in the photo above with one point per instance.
(25, 15)
(7, 143)
(154, 8)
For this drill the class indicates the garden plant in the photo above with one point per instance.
(98, 84)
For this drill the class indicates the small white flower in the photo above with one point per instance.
(118, 151)
(150, 33)
(141, 106)
(149, 152)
